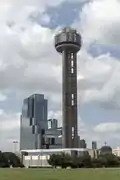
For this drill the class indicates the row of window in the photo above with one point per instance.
(70, 37)
(37, 130)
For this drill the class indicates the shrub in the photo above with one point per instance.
(65, 160)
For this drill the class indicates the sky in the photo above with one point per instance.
(30, 64)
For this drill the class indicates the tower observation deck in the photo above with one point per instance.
(68, 43)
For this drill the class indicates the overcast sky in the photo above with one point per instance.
(29, 64)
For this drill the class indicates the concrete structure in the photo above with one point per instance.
(33, 122)
(93, 153)
(94, 145)
(53, 135)
(68, 43)
(53, 123)
(83, 143)
(39, 157)
(116, 151)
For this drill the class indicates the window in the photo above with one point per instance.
(72, 56)
(52, 141)
(72, 99)
(72, 95)
(70, 37)
(43, 131)
(43, 141)
(72, 63)
(63, 37)
(73, 131)
(75, 38)
(72, 102)
(30, 121)
(47, 146)
(33, 129)
(72, 70)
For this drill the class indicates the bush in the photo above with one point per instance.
(8, 159)
(65, 160)
(62, 160)
(109, 160)
(85, 161)
(3, 161)
(54, 160)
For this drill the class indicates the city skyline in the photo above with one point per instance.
(29, 64)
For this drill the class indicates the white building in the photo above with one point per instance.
(116, 151)
(39, 157)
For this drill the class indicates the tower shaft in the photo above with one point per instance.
(69, 95)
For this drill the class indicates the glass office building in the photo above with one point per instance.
(33, 122)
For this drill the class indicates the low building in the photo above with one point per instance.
(93, 153)
(39, 157)
(116, 151)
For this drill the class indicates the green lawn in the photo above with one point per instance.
(58, 174)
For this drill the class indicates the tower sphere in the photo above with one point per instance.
(68, 39)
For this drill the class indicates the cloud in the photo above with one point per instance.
(29, 62)
(109, 127)
(9, 129)
(99, 80)
(100, 21)
(9, 121)
(2, 97)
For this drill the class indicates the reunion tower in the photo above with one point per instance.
(68, 43)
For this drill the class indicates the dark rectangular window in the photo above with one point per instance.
(33, 129)
(30, 121)
(47, 146)
(43, 141)
(43, 131)
(33, 107)
(52, 141)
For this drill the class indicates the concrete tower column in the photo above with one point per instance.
(68, 43)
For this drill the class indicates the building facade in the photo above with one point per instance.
(53, 135)
(94, 145)
(82, 143)
(33, 122)
(116, 151)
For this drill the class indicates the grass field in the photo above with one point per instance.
(58, 174)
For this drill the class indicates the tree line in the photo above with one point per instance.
(9, 159)
(65, 160)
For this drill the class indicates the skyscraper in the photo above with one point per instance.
(33, 122)
(68, 43)
(94, 145)
(83, 143)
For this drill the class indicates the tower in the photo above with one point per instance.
(68, 43)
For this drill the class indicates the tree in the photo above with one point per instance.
(110, 160)
(65, 160)
(85, 161)
(12, 159)
(54, 160)
(3, 161)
